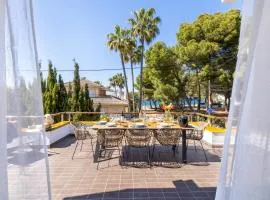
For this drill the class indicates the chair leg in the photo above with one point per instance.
(81, 145)
(108, 158)
(75, 149)
(153, 151)
(120, 157)
(149, 155)
(195, 145)
(177, 161)
(174, 151)
(128, 152)
(133, 163)
(98, 156)
(92, 147)
(98, 165)
(159, 160)
(203, 151)
(174, 155)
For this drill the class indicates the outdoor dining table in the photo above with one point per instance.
(175, 126)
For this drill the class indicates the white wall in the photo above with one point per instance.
(214, 139)
(57, 134)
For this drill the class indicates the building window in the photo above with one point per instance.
(92, 93)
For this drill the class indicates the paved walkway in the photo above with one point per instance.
(80, 179)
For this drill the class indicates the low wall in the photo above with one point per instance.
(214, 139)
(57, 134)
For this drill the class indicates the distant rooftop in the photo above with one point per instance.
(91, 84)
(109, 100)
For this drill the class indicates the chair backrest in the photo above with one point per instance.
(79, 131)
(138, 137)
(194, 134)
(112, 137)
(168, 136)
(90, 130)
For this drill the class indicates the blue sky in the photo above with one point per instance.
(67, 29)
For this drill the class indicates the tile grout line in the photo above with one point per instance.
(105, 187)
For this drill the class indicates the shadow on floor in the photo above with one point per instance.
(64, 142)
(184, 190)
(138, 157)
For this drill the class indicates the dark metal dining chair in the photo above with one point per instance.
(109, 140)
(139, 138)
(167, 137)
(196, 135)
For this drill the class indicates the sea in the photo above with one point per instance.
(194, 102)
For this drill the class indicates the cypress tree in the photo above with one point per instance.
(69, 97)
(43, 89)
(51, 79)
(76, 88)
(62, 95)
(82, 101)
(98, 109)
(43, 83)
(88, 100)
(48, 94)
(55, 98)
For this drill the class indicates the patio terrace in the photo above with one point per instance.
(80, 179)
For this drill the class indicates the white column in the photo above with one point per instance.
(3, 129)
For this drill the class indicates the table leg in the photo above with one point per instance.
(184, 146)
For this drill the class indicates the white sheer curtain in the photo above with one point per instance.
(245, 170)
(23, 155)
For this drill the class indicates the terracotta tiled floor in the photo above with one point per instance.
(80, 179)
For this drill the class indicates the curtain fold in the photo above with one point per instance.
(245, 164)
(24, 168)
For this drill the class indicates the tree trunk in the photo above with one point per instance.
(155, 104)
(211, 98)
(121, 91)
(199, 91)
(141, 77)
(189, 103)
(115, 91)
(125, 76)
(229, 102)
(132, 77)
(225, 103)
(151, 104)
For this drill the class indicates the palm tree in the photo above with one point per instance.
(119, 41)
(134, 56)
(98, 83)
(120, 81)
(145, 28)
(113, 84)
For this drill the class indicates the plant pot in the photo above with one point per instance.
(183, 121)
(167, 116)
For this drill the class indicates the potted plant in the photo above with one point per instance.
(168, 115)
(48, 122)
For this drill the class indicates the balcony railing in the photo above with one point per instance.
(218, 121)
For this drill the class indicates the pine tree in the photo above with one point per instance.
(76, 88)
